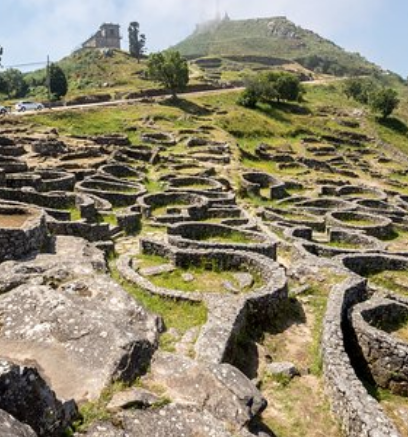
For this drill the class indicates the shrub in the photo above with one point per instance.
(269, 88)
(384, 101)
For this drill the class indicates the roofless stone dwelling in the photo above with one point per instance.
(155, 282)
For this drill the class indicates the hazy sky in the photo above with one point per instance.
(31, 29)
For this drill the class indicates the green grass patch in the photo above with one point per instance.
(393, 280)
(181, 315)
(342, 245)
(233, 237)
(205, 281)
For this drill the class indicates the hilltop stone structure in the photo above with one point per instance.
(107, 37)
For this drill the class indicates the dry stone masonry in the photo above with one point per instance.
(95, 229)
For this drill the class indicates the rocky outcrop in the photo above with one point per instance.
(10, 427)
(170, 421)
(76, 325)
(219, 389)
(26, 396)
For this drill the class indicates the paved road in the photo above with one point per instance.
(166, 96)
(126, 102)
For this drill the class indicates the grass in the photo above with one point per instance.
(91, 72)
(94, 411)
(232, 237)
(358, 222)
(342, 245)
(181, 315)
(205, 281)
(162, 210)
(75, 214)
(109, 218)
(396, 407)
(295, 336)
(395, 281)
(246, 43)
(144, 260)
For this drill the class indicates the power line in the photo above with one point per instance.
(25, 65)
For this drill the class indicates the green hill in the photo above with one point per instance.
(269, 41)
(96, 71)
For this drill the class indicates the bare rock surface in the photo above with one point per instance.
(170, 421)
(134, 397)
(72, 322)
(157, 270)
(282, 369)
(245, 280)
(26, 396)
(10, 427)
(220, 389)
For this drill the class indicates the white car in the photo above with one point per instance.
(3, 110)
(28, 106)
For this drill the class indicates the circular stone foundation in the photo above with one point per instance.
(376, 226)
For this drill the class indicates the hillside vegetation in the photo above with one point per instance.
(96, 71)
(271, 41)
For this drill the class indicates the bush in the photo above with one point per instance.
(384, 101)
(248, 99)
(359, 89)
(269, 88)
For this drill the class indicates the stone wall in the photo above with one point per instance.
(15, 242)
(385, 354)
(360, 414)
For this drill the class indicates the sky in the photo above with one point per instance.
(32, 29)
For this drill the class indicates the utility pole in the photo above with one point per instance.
(48, 80)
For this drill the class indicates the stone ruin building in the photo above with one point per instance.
(107, 37)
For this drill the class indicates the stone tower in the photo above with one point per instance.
(107, 37)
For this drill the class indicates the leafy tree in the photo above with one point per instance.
(358, 89)
(137, 41)
(287, 87)
(384, 101)
(58, 81)
(170, 69)
(248, 98)
(13, 84)
(269, 88)
(1, 53)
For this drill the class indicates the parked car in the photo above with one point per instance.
(28, 106)
(3, 110)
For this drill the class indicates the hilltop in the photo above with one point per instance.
(271, 41)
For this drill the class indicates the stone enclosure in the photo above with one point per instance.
(110, 248)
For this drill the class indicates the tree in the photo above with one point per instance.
(287, 87)
(384, 101)
(1, 53)
(170, 69)
(58, 81)
(13, 84)
(137, 41)
(269, 88)
(358, 89)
